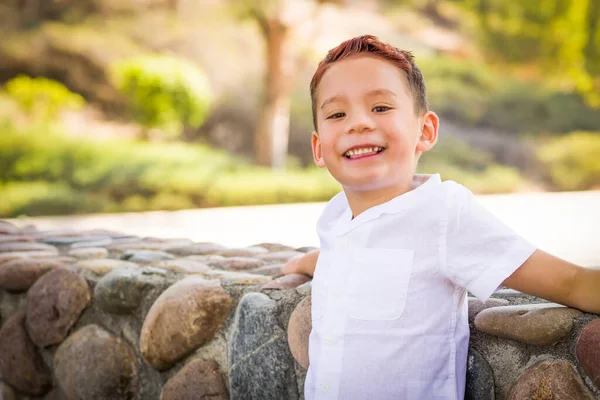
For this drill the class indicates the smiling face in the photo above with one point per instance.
(369, 135)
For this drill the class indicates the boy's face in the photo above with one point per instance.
(369, 136)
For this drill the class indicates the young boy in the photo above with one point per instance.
(400, 250)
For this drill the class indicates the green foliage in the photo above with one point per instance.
(573, 160)
(40, 98)
(164, 92)
(475, 95)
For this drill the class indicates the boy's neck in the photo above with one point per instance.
(360, 201)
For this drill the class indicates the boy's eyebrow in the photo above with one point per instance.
(375, 92)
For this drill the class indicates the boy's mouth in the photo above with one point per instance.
(363, 151)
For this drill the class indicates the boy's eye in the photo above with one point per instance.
(381, 108)
(336, 115)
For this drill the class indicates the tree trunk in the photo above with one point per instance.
(272, 130)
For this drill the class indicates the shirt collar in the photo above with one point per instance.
(336, 218)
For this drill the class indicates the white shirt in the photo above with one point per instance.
(389, 293)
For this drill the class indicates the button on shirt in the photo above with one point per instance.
(389, 293)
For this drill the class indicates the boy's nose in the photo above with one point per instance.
(360, 122)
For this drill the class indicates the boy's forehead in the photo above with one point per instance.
(364, 72)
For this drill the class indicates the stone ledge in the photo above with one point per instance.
(104, 315)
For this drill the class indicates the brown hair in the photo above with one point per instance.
(402, 59)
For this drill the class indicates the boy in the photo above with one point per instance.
(399, 250)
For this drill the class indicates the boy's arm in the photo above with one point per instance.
(557, 280)
(304, 264)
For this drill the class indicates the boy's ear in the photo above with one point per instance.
(429, 132)
(316, 149)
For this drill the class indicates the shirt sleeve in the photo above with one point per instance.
(481, 251)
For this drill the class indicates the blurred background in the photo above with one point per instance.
(111, 106)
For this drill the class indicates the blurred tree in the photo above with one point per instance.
(276, 18)
(562, 36)
(164, 92)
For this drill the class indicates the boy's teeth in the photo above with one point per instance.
(364, 150)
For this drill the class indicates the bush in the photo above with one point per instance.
(42, 99)
(164, 92)
(573, 161)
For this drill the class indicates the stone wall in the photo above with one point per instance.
(103, 315)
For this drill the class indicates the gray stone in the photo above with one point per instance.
(184, 265)
(243, 252)
(279, 256)
(86, 253)
(101, 266)
(71, 240)
(480, 379)
(196, 249)
(26, 246)
(239, 263)
(146, 256)
(6, 228)
(121, 290)
(305, 288)
(476, 306)
(94, 364)
(238, 278)
(261, 365)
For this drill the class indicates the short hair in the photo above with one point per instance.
(369, 44)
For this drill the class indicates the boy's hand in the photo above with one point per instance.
(302, 264)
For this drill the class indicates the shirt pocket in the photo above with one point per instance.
(378, 284)
(319, 286)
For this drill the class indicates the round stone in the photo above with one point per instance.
(533, 324)
(183, 318)
(121, 290)
(480, 378)
(54, 304)
(15, 238)
(13, 255)
(298, 331)
(239, 263)
(71, 240)
(306, 249)
(26, 246)
(19, 274)
(6, 228)
(273, 247)
(272, 270)
(476, 306)
(229, 278)
(87, 253)
(146, 256)
(196, 249)
(550, 380)
(279, 256)
(6, 392)
(101, 266)
(94, 364)
(21, 365)
(588, 350)
(287, 282)
(243, 252)
(199, 379)
(185, 266)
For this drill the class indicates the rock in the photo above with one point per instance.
(6, 392)
(211, 260)
(305, 288)
(86, 253)
(480, 379)
(14, 255)
(504, 293)
(93, 243)
(243, 252)
(121, 290)
(101, 266)
(257, 349)
(199, 379)
(287, 282)
(273, 247)
(272, 270)
(588, 350)
(550, 380)
(185, 266)
(15, 238)
(533, 324)
(476, 306)
(6, 228)
(279, 256)
(19, 274)
(21, 365)
(94, 364)
(146, 256)
(239, 263)
(299, 329)
(228, 278)
(196, 249)
(26, 246)
(71, 240)
(183, 318)
(306, 249)
(54, 304)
